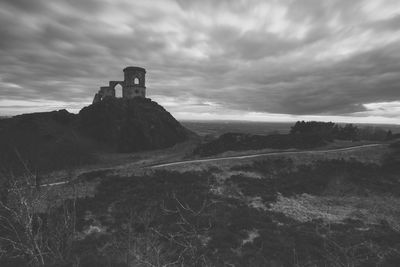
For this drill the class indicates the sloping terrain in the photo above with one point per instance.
(299, 208)
(276, 211)
(130, 125)
(41, 142)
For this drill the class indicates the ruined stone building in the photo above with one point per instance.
(133, 85)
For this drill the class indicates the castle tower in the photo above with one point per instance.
(134, 82)
(133, 85)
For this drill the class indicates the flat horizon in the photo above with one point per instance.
(183, 120)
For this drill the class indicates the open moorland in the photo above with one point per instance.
(331, 202)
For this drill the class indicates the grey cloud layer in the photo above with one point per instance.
(293, 57)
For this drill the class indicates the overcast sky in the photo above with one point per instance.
(207, 59)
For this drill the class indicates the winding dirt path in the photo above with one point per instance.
(183, 162)
(262, 154)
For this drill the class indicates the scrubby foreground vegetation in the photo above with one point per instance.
(266, 213)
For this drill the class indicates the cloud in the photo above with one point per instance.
(311, 57)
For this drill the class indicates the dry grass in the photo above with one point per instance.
(334, 209)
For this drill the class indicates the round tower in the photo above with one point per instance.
(134, 82)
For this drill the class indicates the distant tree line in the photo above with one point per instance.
(302, 135)
(330, 131)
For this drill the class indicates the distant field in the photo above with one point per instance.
(219, 127)
(395, 128)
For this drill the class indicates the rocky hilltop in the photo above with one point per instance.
(58, 139)
(131, 124)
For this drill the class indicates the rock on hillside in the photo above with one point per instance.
(131, 124)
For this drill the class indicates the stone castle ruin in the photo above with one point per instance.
(133, 85)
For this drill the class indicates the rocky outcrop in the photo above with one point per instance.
(58, 140)
(130, 125)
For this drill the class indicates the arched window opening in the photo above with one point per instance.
(136, 81)
(118, 90)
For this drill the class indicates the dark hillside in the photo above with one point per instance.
(55, 140)
(131, 124)
(41, 141)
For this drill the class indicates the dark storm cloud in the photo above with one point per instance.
(26, 5)
(311, 87)
(293, 57)
(338, 88)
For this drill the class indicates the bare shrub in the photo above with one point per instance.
(27, 233)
